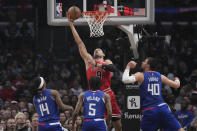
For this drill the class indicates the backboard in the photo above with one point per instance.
(124, 12)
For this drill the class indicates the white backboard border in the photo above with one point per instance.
(114, 20)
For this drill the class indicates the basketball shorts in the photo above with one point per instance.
(159, 116)
(50, 127)
(94, 125)
(115, 108)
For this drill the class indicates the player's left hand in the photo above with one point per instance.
(132, 64)
(71, 21)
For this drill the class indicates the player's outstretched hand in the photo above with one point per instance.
(132, 64)
(70, 21)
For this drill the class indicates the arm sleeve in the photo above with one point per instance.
(110, 67)
(128, 79)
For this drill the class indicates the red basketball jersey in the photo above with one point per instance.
(104, 75)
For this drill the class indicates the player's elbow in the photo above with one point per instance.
(128, 79)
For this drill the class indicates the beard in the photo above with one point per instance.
(97, 56)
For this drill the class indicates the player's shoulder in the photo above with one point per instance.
(139, 74)
(54, 92)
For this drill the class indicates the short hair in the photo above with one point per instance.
(18, 114)
(34, 115)
(95, 82)
(153, 63)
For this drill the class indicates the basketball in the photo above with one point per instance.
(74, 12)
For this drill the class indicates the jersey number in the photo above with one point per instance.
(44, 108)
(99, 74)
(92, 110)
(154, 89)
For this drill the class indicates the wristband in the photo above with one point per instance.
(178, 81)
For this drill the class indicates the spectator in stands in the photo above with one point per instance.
(62, 118)
(3, 124)
(13, 112)
(7, 114)
(70, 125)
(66, 99)
(74, 100)
(76, 88)
(28, 123)
(184, 116)
(34, 122)
(20, 119)
(11, 124)
(79, 122)
(8, 92)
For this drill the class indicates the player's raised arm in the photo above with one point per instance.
(59, 102)
(174, 84)
(108, 107)
(78, 106)
(127, 79)
(82, 49)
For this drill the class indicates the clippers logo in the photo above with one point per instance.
(58, 9)
(133, 102)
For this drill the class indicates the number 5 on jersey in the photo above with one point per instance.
(92, 110)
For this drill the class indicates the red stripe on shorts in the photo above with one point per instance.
(42, 124)
(148, 109)
(86, 120)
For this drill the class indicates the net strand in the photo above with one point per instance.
(96, 21)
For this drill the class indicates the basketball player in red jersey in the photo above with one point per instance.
(97, 66)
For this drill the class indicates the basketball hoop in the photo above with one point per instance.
(95, 21)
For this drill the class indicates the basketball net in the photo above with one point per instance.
(96, 21)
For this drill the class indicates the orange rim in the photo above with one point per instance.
(94, 13)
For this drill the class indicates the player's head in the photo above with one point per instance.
(149, 63)
(185, 103)
(95, 82)
(98, 53)
(39, 84)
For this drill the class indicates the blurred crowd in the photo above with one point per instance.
(174, 45)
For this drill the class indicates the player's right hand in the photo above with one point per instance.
(132, 64)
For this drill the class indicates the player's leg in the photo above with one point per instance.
(47, 127)
(150, 120)
(100, 125)
(117, 123)
(169, 122)
(88, 125)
